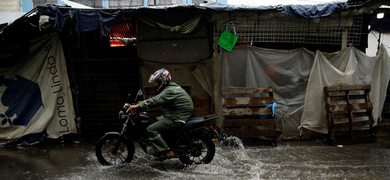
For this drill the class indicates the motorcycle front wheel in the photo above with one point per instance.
(201, 150)
(112, 150)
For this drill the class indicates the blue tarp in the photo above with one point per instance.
(307, 11)
(85, 20)
(226, 7)
(103, 20)
(314, 11)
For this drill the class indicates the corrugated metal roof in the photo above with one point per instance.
(9, 17)
(74, 4)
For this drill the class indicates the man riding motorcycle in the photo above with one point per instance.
(177, 108)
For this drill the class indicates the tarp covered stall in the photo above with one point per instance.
(289, 72)
(297, 77)
(347, 67)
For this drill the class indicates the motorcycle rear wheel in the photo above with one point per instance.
(108, 155)
(200, 151)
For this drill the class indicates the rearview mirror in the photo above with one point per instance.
(139, 93)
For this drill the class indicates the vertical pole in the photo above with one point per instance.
(61, 3)
(344, 39)
(105, 4)
(187, 1)
(27, 5)
(379, 41)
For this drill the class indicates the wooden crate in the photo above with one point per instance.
(246, 114)
(349, 114)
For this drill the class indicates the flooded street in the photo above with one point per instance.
(289, 160)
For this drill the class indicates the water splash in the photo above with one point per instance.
(236, 161)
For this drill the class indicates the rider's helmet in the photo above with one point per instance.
(160, 78)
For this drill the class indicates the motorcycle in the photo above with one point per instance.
(193, 143)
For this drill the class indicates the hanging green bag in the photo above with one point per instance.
(227, 40)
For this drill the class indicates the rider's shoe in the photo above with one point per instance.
(167, 155)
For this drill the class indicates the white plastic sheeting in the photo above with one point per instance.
(297, 77)
(349, 66)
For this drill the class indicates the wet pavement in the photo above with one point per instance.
(309, 159)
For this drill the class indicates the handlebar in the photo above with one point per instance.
(126, 106)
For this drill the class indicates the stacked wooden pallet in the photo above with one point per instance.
(247, 113)
(349, 114)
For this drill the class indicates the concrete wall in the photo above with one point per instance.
(10, 6)
(23, 5)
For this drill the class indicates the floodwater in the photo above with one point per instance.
(288, 160)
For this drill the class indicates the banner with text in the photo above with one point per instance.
(35, 96)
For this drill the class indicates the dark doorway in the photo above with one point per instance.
(101, 78)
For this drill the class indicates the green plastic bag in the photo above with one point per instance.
(227, 40)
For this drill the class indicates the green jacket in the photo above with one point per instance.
(176, 104)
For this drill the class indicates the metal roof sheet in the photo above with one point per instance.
(9, 17)
(74, 4)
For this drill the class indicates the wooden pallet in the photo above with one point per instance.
(246, 114)
(349, 114)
